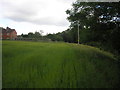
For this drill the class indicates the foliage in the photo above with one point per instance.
(32, 36)
(99, 22)
(55, 37)
(102, 22)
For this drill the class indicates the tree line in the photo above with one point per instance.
(99, 24)
(36, 36)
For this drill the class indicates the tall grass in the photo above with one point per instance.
(57, 65)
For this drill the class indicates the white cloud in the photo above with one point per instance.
(35, 11)
(46, 13)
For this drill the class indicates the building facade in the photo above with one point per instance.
(8, 33)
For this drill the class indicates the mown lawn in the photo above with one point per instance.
(57, 65)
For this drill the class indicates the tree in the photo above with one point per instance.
(24, 35)
(41, 32)
(99, 21)
(55, 37)
(37, 35)
(30, 35)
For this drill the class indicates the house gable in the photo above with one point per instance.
(8, 33)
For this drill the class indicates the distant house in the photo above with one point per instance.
(8, 33)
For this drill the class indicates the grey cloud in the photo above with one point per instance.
(48, 21)
(38, 21)
(27, 12)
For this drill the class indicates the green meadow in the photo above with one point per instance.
(57, 65)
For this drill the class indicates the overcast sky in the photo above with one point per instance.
(34, 15)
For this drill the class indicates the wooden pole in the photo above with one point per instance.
(78, 34)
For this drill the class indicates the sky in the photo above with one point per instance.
(34, 15)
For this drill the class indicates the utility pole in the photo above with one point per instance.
(78, 33)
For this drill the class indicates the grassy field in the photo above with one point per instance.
(57, 65)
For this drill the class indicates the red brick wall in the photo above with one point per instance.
(11, 35)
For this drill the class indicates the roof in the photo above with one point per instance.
(7, 30)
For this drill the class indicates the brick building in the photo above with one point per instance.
(8, 33)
